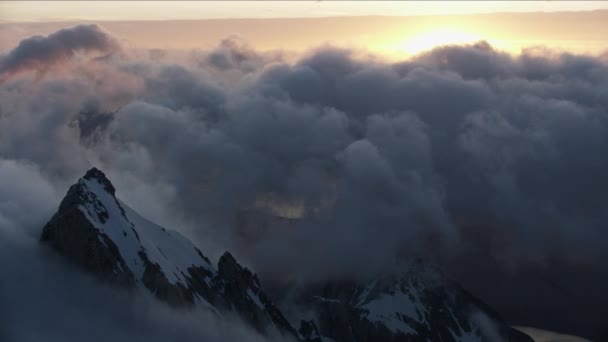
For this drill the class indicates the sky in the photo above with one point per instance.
(370, 132)
(32, 11)
(390, 29)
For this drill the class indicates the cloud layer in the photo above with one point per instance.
(337, 164)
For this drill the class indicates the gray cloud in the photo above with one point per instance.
(335, 165)
(234, 53)
(41, 53)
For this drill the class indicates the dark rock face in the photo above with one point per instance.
(155, 280)
(242, 290)
(71, 233)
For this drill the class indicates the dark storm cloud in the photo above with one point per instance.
(41, 53)
(347, 141)
(335, 164)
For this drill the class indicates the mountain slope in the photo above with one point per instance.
(102, 234)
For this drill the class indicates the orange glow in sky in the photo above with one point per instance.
(393, 29)
(426, 41)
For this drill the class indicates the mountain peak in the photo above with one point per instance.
(99, 232)
(228, 264)
(96, 174)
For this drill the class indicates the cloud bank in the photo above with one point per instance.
(42, 53)
(337, 164)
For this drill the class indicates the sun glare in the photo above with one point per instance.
(430, 39)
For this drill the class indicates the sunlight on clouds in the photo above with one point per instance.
(434, 38)
(408, 44)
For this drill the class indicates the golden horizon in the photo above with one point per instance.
(393, 37)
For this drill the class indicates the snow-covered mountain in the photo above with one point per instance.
(96, 230)
(420, 305)
(103, 235)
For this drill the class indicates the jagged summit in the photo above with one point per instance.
(228, 266)
(96, 174)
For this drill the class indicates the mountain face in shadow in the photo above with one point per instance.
(95, 230)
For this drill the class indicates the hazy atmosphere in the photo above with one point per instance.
(318, 142)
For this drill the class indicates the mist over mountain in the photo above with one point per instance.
(96, 231)
(338, 165)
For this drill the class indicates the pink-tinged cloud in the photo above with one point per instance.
(42, 53)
